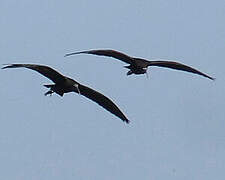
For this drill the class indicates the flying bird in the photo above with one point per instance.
(139, 65)
(63, 84)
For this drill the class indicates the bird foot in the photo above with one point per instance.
(129, 73)
(49, 93)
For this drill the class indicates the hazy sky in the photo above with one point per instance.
(177, 118)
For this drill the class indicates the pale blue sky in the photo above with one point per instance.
(177, 119)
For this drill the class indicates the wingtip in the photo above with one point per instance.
(6, 66)
(127, 121)
(213, 78)
(74, 53)
(66, 55)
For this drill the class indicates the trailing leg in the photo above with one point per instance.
(49, 92)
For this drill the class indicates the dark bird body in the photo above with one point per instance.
(139, 65)
(65, 84)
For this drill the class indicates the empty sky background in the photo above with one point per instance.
(177, 118)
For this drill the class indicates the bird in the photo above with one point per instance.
(139, 65)
(63, 84)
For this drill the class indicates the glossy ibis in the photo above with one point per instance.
(63, 84)
(139, 65)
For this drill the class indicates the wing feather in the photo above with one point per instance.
(178, 66)
(107, 52)
(103, 101)
(46, 71)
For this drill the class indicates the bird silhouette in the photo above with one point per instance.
(139, 65)
(65, 84)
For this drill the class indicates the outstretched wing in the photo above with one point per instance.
(102, 101)
(174, 65)
(44, 70)
(107, 52)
